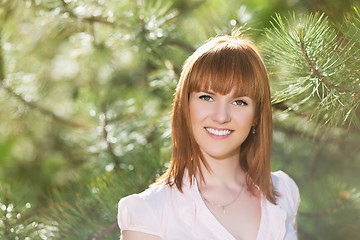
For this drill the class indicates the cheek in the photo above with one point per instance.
(197, 113)
(246, 119)
(193, 116)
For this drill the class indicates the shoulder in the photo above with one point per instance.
(144, 212)
(289, 198)
(288, 202)
(153, 195)
(283, 182)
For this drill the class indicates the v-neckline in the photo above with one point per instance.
(215, 221)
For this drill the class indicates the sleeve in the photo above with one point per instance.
(136, 214)
(288, 201)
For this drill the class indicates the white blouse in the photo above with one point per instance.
(166, 212)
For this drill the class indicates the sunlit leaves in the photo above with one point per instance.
(314, 63)
(16, 221)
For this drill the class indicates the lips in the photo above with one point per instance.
(218, 132)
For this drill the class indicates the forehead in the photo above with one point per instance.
(226, 72)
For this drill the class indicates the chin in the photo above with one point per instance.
(221, 155)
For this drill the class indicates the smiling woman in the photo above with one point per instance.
(219, 184)
(216, 117)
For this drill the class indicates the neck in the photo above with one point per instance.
(222, 173)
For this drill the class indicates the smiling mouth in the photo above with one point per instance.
(218, 132)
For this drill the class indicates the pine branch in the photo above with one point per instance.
(8, 10)
(318, 74)
(105, 231)
(30, 104)
(182, 45)
(43, 110)
(2, 63)
(71, 14)
(5, 219)
(310, 60)
(342, 140)
(8, 7)
(91, 19)
(110, 149)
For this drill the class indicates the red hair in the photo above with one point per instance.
(222, 64)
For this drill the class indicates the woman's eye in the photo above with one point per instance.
(240, 102)
(206, 98)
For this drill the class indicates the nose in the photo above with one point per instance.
(221, 113)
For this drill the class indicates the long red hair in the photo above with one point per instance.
(222, 64)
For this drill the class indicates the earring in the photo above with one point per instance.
(253, 131)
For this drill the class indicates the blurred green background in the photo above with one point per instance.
(86, 89)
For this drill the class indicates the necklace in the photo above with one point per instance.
(220, 205)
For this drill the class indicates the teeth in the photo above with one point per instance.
(217, 132)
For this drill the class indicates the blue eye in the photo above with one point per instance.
(205, 98)
(240, 102)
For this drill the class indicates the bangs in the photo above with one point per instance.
(228, 68)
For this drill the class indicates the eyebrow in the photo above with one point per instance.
(234, 96)
(210, 93)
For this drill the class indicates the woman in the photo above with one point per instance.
(219, 184)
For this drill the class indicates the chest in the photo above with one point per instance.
(199, 221)
(241, 219)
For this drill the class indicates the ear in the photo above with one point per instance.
(254, 123)
(256, 120)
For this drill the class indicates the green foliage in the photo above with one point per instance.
(85, 99)
(324, 167)
(315, 81)
(73, 215)
(313, 62)
(16, 216)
